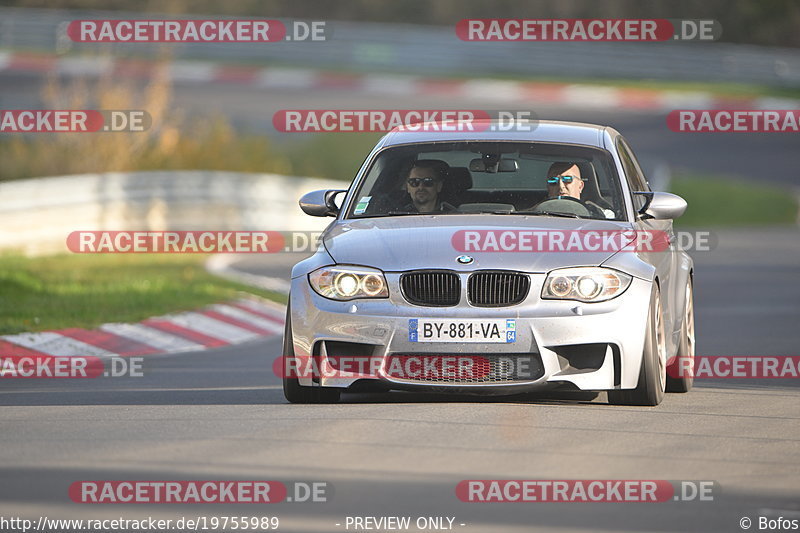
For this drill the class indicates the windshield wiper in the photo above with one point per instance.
(504, 212)
(534, 213)
(386, 214)
(549, 214)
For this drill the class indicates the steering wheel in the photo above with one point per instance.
(564, 204)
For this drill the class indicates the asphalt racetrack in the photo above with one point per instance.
(221, 414)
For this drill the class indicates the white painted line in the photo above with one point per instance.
(499, 90)
(153, 337)
(286, 78)
(685, 100)
(387, 84)
(5, 60)
(95, 66)
(767, 102)
(192, 71)
(591, 96)
(214, 328)
(52, 343)
(244, 316)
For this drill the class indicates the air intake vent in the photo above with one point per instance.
(465, 369)
(436, 288)
(497, 288)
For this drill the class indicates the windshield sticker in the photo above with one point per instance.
(362, 205)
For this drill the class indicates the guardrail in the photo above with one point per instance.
(434, 50)
(36, 215)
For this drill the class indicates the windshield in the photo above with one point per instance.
(490, 177)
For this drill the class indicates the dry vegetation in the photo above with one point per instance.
(172, 141)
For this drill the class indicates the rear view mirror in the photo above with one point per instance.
(492, 165)
(508, 165)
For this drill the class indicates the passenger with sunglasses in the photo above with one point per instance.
(423, 184)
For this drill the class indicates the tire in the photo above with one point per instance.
(653, 373)
(686, 349)
(292, 390)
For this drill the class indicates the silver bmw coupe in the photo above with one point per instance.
(493, 262)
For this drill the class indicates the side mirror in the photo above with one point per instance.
(321, 203)
(661, 205)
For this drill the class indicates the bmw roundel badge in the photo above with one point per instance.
(465, 259)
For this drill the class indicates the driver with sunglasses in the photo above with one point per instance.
(423, 184)
(564, 180)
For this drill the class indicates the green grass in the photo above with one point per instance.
(330, 155)
(719, 201)
(62, 291)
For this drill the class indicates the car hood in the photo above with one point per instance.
(403, 243)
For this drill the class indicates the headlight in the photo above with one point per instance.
(348, 283)
(585, 284)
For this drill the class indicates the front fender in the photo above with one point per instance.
(320, 259)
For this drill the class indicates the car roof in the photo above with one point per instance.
(543, 131)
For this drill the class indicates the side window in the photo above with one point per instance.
(637, 166)
(633, 173)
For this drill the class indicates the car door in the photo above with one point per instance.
(665, 261)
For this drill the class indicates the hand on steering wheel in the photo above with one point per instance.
(550, 204)
(571, 198)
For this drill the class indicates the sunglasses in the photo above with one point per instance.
(425, 182)
(565, 179)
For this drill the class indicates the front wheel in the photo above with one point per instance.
(653, 372)
(292, 390)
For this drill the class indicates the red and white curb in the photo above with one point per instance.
(217, 325)
(500, 91)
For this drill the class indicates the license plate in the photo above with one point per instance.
(499, 330)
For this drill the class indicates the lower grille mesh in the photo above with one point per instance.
(464, 368)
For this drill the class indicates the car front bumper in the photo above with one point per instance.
(596, 346)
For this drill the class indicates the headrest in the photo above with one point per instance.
(459, 179)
